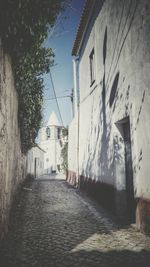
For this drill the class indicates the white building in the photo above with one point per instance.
(50, 138)
(35, 161)
(109, 137)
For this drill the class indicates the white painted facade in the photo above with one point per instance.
(35, 161)
(119, 93)
(73, 148)
(51, 142)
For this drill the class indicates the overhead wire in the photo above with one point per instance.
(56, 97)
(52, 98)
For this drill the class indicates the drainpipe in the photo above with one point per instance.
(76, 110)
(75, 62)
(78, 145)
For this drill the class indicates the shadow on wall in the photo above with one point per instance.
(103, 192)
(100, 191)
(101, 151)
(114, 90)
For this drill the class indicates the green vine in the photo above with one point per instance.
(24, 25)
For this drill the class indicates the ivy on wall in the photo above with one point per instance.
(24, 25)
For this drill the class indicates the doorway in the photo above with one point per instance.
(131, 205)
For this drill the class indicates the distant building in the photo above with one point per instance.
(35, 161)
(109, 137)
(51, 142)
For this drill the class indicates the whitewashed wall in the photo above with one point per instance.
(73, 150)
(127, 55)
(35, 154)
(119, 33)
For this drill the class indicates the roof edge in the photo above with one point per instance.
(87, 10)
(36, 145)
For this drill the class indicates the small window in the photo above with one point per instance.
(58, 133)
(48, 133)
(92, 66)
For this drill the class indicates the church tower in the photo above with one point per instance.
(50, 142)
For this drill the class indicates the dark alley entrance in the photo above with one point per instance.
(54, 224)
(124, 162)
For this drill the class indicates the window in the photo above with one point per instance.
(92, 66)
(58, 133)
(48, 133)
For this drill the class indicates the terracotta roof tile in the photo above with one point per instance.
(82, 25)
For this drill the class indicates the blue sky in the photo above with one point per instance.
(61, 41)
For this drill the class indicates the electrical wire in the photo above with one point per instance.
(56, 98)
(52, 98)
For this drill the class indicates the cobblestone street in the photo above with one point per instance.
(55, 225)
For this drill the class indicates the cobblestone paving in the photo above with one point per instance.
(55, 225)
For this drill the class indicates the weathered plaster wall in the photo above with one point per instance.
(12, 162)
(35, 162)
(120, 36)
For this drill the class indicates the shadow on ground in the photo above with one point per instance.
(51, 226)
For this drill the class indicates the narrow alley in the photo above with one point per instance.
(54, 224)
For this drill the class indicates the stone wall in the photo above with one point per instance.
(12, 162)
